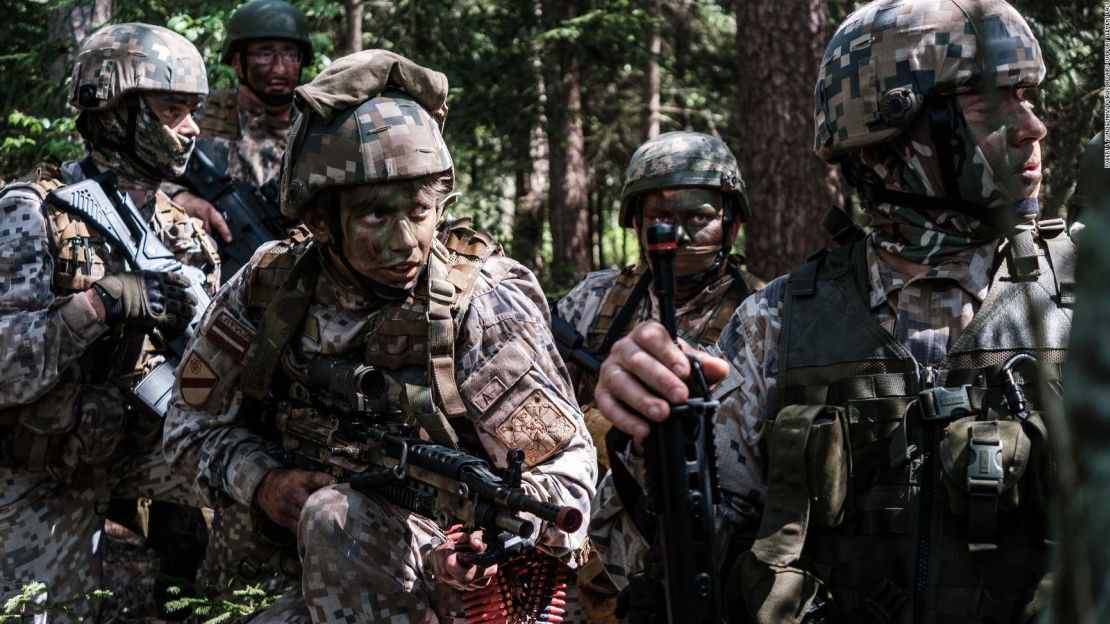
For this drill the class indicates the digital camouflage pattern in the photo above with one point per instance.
(62, 387)
(389, 137)
(677, 159)
(242, 138)
(207, 436)
(888, 56)
(122, 58)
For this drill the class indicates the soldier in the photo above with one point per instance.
(897, 462)
(691, 180)
(77, 320)
(244, 130)
(1092, 183)
(460, 330)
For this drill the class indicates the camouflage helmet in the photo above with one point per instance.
(890, 55)
(386, 138)
(121, 58)
(677, 159)
(266, 19)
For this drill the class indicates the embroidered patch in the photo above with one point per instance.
(489, 394)
(197, 380)
(230, 335)
(537, 427)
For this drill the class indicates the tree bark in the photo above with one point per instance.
(68, 25)
(779, 46)
(651, 73)
(352, 39)
(568, 205)
(530, 148)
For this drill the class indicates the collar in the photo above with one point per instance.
(970, 269)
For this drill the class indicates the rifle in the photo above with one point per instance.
(340, 423)
(96, 201)
(681, 489)
(251, 213)
(572, 345)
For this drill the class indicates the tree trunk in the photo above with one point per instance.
(779, 46)
(68, 25)
(651, 73)
(352, 39)
(530, 148)
(568, 206)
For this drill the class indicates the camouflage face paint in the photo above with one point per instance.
(696, 213)
(387, 240)
(1008, 134)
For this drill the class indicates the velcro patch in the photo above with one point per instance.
(538, 427)
(489, 394)
(197, 380)
(230, 335)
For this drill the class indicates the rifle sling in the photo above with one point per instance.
(624, 316)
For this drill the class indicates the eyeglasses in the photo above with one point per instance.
(267, 57)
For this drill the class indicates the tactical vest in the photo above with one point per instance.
(220, 119)
(630, 291)
(911, 493)
(411, 341)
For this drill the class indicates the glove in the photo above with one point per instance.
(148, 299)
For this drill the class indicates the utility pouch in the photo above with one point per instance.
(102, 422)
(983, 462)
(828, 460)
(56, 412)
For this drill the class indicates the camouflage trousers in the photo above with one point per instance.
(363, 561)
(50, 531)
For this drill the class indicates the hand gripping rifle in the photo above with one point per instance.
(681, 471)
(251, 213)
(345, 428)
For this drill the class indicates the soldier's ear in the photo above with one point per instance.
(317, 222)
(236, 62)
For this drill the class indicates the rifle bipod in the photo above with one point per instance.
(530, 588)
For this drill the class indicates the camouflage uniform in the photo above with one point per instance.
(857, 485)
(241, 138)
(67, 441)
(364, 558)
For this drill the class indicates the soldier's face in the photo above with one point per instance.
(1009, 135)
(273, 66)
(696, 214)
(387, 240)
(175, 111)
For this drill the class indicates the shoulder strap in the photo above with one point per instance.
(282, 318)
(624, 315)
(221, 115)
(1060, 249)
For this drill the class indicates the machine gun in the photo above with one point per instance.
(340, 423)
(251, 213)
(682, 490)
(96, 201)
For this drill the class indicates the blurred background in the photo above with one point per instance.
(549, 98)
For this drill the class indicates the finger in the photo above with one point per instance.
(176, 279)
(317, 480)
(653, 338)
(715, 368)
(219, 226)
(477, 544)
(640, 395)
(616, 413)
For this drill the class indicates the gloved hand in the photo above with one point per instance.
(148, 299)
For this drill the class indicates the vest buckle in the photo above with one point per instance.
(945, 403)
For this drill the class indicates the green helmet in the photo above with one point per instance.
(1092, 185)
(267, 19)
(121, 58)
(388, 137)
(890, 55)
(678, 159)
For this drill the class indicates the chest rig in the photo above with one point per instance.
(910, 493)
(412, 341)
(619, 309)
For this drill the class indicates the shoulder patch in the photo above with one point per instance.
(538, 427)
(230, 334)
(197, 380)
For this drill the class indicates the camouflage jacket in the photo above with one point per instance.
(52, 344)
(507, 370)
(926, 314)
(603, 293)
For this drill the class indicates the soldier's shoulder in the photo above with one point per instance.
(271, 264)
(220, 115)
(23, 198)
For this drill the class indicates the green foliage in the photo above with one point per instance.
(33, 599)
(244, 602)
(34, 138)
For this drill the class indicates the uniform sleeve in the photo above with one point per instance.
(40, 334)
(517, 391)
(747, 343)
(206, 439)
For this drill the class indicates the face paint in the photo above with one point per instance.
(388, 241)
(272, 69)
(153, 151)
(696, 214)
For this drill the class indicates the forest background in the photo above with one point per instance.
(549, 98)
